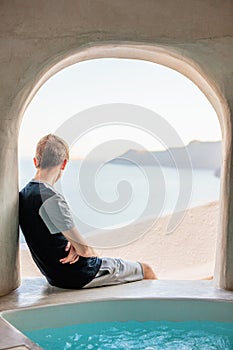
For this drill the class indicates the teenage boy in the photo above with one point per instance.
(60, 252)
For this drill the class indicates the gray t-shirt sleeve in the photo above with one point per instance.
(56, 214)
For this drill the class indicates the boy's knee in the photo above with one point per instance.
(148, 272)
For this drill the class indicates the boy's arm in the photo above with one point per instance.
(56, 214)
(79, 243)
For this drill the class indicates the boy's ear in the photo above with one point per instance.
(63, 164)
(35, 161)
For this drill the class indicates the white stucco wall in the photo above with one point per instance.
(40, 37)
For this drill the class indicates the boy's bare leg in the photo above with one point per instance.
(148, 272)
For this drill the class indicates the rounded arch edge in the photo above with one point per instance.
(160, 54)
(171, 57)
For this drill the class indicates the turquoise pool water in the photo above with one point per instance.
(128, 324)
(156, 335)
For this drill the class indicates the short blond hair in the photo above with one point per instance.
(51, 151)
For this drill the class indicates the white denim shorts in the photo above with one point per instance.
(116, 271)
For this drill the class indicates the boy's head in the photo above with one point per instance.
(51, 151)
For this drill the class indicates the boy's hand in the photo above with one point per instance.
(72, 257)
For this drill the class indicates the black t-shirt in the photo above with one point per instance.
(42, 232)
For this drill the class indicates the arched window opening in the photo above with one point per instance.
(145, 163)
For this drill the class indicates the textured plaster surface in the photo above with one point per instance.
(37, 292)
(11, 339)
(38, 38)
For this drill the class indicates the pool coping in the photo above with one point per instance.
(36, 292)
(13, 339)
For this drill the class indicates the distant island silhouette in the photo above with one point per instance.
(203, 155)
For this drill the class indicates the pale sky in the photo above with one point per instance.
(105, 81)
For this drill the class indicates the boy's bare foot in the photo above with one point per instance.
(208, 278)
(148, 272)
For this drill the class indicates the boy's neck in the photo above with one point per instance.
(50, 175)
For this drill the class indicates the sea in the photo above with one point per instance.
(109, 195)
